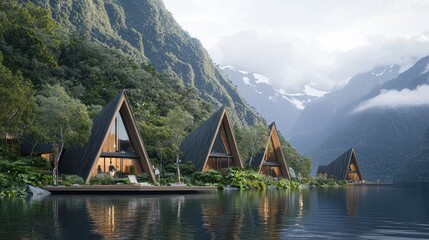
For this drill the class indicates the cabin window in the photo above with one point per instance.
(118, 157)
(118, 139)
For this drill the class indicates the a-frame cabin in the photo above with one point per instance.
(271, 160)
(345, 167)
(212, 145)
(115, 145)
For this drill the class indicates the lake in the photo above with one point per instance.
(360, 212)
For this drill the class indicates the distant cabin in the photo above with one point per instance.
(345, 167)
(212, 145)
(44, 150)
(271, 161)
(114, 147)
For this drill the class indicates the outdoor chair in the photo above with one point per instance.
(133, 180)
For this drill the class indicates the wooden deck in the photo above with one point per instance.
(128, 189)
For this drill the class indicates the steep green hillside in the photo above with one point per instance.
(33, 46)
(36, 51)
(147, 31)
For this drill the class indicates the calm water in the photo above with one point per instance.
(334, 213)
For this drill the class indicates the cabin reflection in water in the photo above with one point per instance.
(116, 218)
(353, 197)
(272, 210)
(223, 221)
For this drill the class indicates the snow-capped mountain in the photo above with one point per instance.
(274, 104)
(318, 114)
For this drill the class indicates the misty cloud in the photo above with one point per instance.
(396, 99)
(293, 62)
(379, 51)
(294, 43)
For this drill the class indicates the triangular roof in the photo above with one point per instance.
(81, 161)
(274, 139)
(339, 167)
(197, 146)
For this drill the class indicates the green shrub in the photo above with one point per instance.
(203, 178)
(168, 178)
(142, 177)
(269, 181)
(282, 183)
(132, 170)
(74, 179)
(187, 168)
(121, 180)
(101, 179)
(18, 173)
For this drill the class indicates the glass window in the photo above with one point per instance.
(118, 139)
(117, 166)
(221, 144)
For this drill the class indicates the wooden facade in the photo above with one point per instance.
(345, 167)
(212, 145)
(271, 161)
(115, 145)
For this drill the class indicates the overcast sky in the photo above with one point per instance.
(321, 43)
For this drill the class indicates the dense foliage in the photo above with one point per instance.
(147, 32)
(249, 179)
(42, 62)
(17, 172)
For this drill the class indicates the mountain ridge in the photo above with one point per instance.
(275, 104)
(147, 31)
(385, 138)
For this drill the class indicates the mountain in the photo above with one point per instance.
(318, 114)
(383, 125)
(417, 170)
(148, 32)
(272, 103)
(36, 51)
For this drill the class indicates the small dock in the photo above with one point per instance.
(128, 189)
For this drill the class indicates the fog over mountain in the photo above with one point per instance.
(385, 125)
(272, 103)
(295, 43)
(382, 113)
(364, 53)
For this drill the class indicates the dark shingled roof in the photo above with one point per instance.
(338, 168)
(322, 169)
(79, 161)
(40, 148)
(196, 147)
(259, 157)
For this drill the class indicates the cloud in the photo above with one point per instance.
(380, 50)
(396, 99)
(294, 43)
(288, 61)
(294, 61)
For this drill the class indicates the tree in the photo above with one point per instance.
(17, 99)
(300, 164)
(62, 120)
(179, 122)
(251, 140)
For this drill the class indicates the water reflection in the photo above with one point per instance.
(336, 213)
